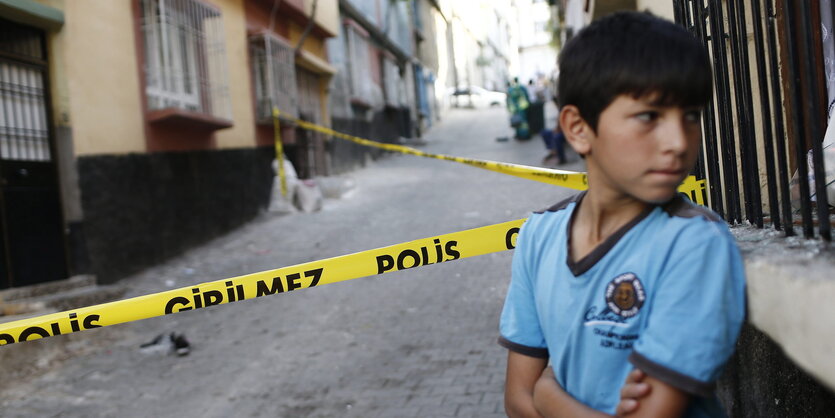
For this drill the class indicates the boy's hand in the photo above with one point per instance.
(632, 391)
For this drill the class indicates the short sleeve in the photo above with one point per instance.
(696, 311)
(519, 328)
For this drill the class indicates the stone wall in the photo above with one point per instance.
(784, 365)
(140, 209)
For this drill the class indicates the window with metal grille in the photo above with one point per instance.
(359, 64)
(24, 132)
(185, 57)
(274, 72)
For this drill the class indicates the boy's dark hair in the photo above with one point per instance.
(636, 54)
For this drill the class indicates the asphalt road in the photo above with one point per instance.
(415, 343)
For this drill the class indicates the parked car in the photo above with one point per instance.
(475, 97)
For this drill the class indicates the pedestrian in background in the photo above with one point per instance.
(517, 104)
(554, 140)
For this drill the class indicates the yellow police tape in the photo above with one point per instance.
(279, 153)
(694, 188)
(421, 252)
(443, 248)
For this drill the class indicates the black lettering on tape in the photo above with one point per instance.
(385, 263)
(88, 321)
(451, 251)
(230, 291)
(198, 303)
(424, 252)
(316, 274)
(28, 332)
(262, 289)
(74, 322)
(439, 255)
(401, 265)
(212, 297)
(510, 238)
(293, 281)
(179, 300)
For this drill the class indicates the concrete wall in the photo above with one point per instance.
(102, 77)
(141, 209)
(446, 61)
(663, 8)
(102, 103)
(242, 132)
(327, 14)
(783, 362)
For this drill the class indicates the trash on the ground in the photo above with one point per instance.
(308, 196)
(167, 343)
(181, 345)
(502, 139)
(284, 203)
(828, 172)
(335, 187)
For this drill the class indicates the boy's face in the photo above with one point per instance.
(642, 150)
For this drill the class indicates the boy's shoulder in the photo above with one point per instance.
(681, 207)
(668, 222)
(563, 204)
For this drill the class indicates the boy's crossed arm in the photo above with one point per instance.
(532, 391)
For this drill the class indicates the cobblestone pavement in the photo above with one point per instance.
(416, 343)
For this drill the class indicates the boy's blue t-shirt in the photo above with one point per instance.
(665, 293)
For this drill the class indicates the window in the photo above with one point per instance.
(359, 64)
(24, 132)
(185, 57)
(274, 72)
(392, 80)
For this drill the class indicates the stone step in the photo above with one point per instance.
(78, 294)
(80, 297)
(48, 288)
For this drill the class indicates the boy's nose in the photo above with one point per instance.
(674, 137)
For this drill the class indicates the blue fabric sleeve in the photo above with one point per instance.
(696, 310)
(519, 325)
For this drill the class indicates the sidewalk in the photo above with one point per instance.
(413, 343)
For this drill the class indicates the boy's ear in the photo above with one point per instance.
(577, 132)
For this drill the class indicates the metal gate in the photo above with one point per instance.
(32, 248)
(310, 148)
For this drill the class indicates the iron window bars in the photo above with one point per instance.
(24, 124)
(274, 71)
(185, 57)
(763, 113)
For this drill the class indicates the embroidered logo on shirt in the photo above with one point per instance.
(625, 295)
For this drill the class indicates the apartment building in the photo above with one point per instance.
(132, 130)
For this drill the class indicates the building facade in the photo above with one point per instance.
(133, 130)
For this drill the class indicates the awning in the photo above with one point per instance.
(30, 13)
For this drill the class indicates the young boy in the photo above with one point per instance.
(627, 277)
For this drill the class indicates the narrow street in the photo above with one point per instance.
(417, 343)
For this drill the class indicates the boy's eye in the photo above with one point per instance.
(693, 116)
(648, 116)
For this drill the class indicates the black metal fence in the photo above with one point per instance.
(768, 113)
